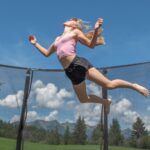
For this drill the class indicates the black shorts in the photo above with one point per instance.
(76, 71)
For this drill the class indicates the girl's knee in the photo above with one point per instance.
(110, 85)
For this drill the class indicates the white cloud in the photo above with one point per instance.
(63, 94)
(90, 113)
(45, 95)
(130, 116)
(15, 118)
(33, 115)
(94, 89)
(49, 96)
(52, 116)
(12, 101)
(121, 107)
(37, 84)
(124, 109)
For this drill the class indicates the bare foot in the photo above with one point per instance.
(141, 89)
(107, 106)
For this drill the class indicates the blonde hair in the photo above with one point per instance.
(84, 25)
(100, 39)
(81, 25)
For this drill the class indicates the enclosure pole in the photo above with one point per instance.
(23, 112)
(105, 96)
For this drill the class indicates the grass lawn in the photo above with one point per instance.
(9, 144)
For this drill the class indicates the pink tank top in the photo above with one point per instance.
(65, 46)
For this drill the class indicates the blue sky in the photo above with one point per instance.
(126, 30)
(127, 34)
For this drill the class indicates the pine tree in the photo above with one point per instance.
(54, 137)
(84, 136)
(51, 137)
(97, 135)
(79, 134)
(115, 136)
(67, 136)
(57, 136)
(138, 131)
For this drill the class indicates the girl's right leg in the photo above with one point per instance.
(81, 93)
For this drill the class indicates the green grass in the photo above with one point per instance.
(9, 144)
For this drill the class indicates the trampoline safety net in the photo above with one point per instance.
(53, 117)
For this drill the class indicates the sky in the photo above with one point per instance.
(127, 35)
(126, 30)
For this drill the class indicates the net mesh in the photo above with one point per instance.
(52, 104)
(128, 104)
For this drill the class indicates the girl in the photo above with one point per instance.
(78, 68)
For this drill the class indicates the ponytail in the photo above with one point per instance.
(84, 25)
(100, 38)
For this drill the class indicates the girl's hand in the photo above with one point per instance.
(98, 23)
(32, 39)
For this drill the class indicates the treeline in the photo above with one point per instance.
(33, 134)
(139, 136)
(7, 130)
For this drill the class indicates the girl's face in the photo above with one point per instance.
(71, 23)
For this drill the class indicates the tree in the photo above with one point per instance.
(56, 136)
(138, 131)
(51, 137)
(7, 130)
(97, 135)
(115, 136)
(67, 136)
(144, 142)
(79, 134)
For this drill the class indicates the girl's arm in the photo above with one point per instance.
(84, 40)
(44, 51)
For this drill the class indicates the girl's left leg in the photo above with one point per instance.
(94, 75)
